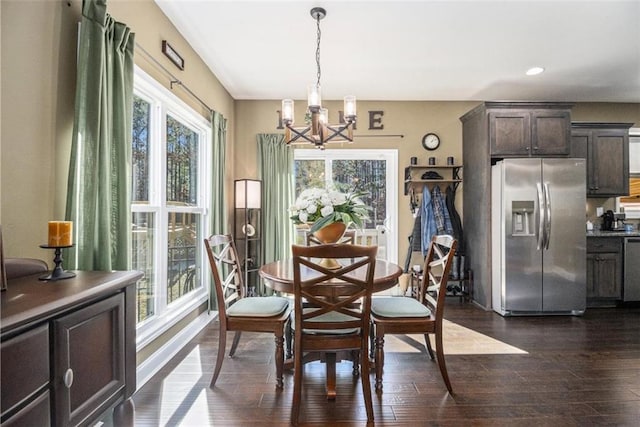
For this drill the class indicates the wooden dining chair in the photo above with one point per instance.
(422, 314)
(239, 313)
(333, 321)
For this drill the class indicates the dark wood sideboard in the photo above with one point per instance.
(68, 349)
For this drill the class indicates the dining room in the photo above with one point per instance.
(197, 136)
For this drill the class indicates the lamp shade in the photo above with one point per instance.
(248, 194)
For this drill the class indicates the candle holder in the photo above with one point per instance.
(58, 272)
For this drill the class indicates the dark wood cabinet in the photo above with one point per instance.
(88, 360)
(492, 131)
(21, 388)
(606, 148)
(534, 131)
(68, 348)
(604, 271)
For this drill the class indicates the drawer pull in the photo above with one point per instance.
(68, 378)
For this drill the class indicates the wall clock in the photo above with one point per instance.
(430, 141)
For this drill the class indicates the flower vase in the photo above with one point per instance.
(331, 233)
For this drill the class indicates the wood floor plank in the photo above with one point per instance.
(572, 371)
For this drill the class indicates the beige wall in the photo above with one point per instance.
(37, 93)
(39, 40)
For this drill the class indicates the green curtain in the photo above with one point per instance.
(275, 169)
(218, 195)
(99, 185)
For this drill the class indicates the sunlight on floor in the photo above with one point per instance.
(185, 378)
(457, 340)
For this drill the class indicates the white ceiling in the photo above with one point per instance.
(419, 50)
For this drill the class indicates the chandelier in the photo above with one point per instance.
(318, 130)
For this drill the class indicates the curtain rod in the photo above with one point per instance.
(379, 136)
(175, 80)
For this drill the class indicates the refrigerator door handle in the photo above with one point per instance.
(547, 227)
(541, 217)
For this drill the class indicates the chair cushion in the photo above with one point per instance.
(258, 307)
(328, 317)
(398, 307)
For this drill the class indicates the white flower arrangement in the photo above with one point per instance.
(321, 207)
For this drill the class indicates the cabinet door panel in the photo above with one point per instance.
(592, 269)
(18, 383)
(510, 133)
(550, 133)
(580, 145)
(612, 174)
(91, 347)
(608, 282)
(36, 413)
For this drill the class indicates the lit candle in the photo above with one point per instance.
(60, 233)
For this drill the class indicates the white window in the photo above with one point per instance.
(371, 171)
(170, 195)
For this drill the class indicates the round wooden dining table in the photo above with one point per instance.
(278, 276)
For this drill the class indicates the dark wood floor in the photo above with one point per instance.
(577, 371)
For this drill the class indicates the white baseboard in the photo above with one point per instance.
(157, 360)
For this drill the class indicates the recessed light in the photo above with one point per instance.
(534, 71)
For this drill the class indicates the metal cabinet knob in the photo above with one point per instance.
(68, 378)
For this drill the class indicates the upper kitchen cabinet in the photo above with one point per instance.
(606, 148)
(526, 129)
(533, 131)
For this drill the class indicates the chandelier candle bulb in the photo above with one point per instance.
(287, 110)
(60, 233)
(314, 99)
(349, 107)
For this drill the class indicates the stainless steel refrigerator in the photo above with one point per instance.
(538, 236)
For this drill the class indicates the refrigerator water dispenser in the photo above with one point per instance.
(522, 217)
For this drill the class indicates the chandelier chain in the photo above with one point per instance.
(318, 48)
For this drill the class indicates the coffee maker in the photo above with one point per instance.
(608, 219)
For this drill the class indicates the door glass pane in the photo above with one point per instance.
(183, 272)
(143, 256)
(309, 173)
(182, 164)
(368, 176)
(140, 158)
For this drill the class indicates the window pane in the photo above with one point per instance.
(368, 176)
(183, 272)
(182, 164)
(143, 256)
(309, 173)
(140, 158)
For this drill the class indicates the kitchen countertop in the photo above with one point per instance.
(599, 233)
